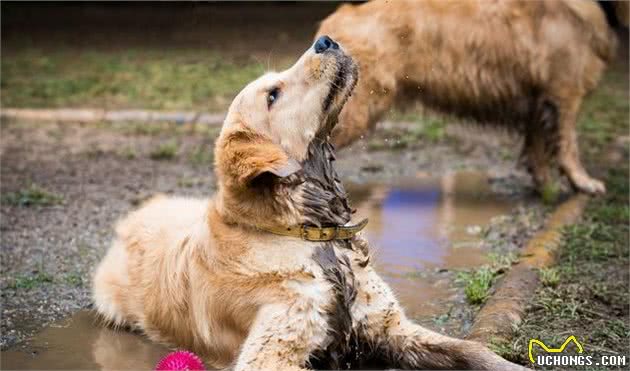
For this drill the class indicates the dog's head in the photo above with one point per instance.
(272, 120)
(264, 154)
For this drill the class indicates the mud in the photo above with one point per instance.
(103, 171)
(426, 225)
(83, 343)
(505, 310)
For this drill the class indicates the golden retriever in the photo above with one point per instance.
(270, 273)
(526, 65)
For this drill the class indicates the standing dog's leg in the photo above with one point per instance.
(537, 158)
(381, 322)
(539, 147)
(569, 155)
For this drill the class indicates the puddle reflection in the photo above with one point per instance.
(423, 224)
(416, 225)
(83, 343)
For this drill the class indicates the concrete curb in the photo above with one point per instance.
(504, 311)
(100, 115)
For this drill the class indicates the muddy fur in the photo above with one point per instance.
(521, 65)
(338, 272)
(325, 201)
(326, 204)
(206, 275)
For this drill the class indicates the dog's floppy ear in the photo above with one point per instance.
(244, 158)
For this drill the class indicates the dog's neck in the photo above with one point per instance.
(325, 201)
(313, 196)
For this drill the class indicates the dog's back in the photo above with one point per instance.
(599, 36)
(489, 61)
(524, 65)
(147, 266)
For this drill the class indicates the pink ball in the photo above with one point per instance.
(180, 361)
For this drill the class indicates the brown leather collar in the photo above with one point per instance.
(309, 233)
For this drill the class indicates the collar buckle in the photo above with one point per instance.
(312, 233)
(303, 232)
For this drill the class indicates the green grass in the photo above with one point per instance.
(157, 79)
(143, 128)
(604, 113)
(202, 155)
(128, 153)
(33, 195)
(30, 282)
(477, 284)
(73, 279)
(423, 129)
(549, 276)
(587, 294)
(431, 129)
(550, 193)
(428, 126)
(501, 262)
(165, 151)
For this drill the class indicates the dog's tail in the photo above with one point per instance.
(592, 19)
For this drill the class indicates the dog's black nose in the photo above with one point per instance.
(324, 43)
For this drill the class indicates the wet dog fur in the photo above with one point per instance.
(522, 65)
(205, 276)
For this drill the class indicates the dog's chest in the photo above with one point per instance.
(324, 199)
(325, 203)
(340, 262)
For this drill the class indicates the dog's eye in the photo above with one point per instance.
(272, 96)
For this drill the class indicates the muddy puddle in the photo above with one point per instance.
(423, 226)
(83, 343)
(419, 227)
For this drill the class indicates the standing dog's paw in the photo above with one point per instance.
(590, 185)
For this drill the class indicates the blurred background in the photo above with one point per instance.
(183, 55)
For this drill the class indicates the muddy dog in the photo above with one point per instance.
(523, 65)
(270, 273)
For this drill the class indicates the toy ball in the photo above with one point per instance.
(180, 361)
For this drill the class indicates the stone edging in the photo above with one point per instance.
(504, 311)
(101, 115)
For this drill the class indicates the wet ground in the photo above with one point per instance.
(427, 224)
(438, 204)
(82, 343)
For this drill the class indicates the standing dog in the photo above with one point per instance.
(526, 65)
(270, 273)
